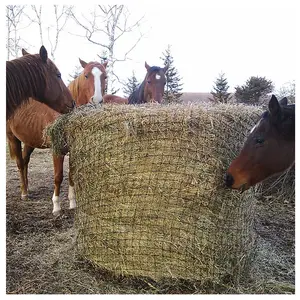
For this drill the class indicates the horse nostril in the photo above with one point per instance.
(229, 180)
(73, 104)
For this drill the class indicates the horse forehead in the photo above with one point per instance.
(90, 66)
(158, 75)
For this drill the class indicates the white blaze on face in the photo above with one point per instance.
(97, 98)
(256, 125)
(157, 76)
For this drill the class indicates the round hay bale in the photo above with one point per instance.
(149, 187)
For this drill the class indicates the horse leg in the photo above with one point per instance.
(27, 150)
(71, 194)
(58, 162)
(15, 149)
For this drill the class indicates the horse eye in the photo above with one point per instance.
(259, 140)
(86, 76)
(148, 81)
(59, 75)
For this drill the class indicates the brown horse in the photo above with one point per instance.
(114, 99)
(28, 124)
(269, 148)
(85, 87)
(38, 77)
(152, 88)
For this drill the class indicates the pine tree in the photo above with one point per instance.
(130, 85)
(173, 85)
(220, 89)
(255, 89)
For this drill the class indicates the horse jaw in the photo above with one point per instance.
(97, 98)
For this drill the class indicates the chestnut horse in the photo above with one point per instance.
(35, 76)
(152, 88)
(28, 124)
(269, 148)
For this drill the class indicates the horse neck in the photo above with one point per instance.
(138, 97)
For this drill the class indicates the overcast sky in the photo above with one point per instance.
(255, 38)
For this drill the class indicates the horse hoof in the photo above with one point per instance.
(24, 197)
(56, 213)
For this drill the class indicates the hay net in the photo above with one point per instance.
(149, 188)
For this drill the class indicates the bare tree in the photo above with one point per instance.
(14, 14)
(38, 19)
(104, 27)
(61, 16)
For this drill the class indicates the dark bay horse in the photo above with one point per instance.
(29, 121)
(269, 148)
(152, 88)
(35, 76)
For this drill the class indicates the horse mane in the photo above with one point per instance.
(74, 86)
(137, 96)
(25, 77)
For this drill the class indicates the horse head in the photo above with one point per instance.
(91, 82)
(155, 82)
(47, 85)
(269, 148)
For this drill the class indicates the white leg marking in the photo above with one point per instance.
(56, 204)
(71, 196)
(97, 98)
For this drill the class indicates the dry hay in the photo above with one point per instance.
(149, 184)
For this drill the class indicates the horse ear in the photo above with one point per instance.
(166, 68)
(83, 63)
(24, 52)
(274, 107)
(105, 64)
(147, 66)
(283, 101)
(43, 54)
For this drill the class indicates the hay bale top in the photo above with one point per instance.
(147, 119)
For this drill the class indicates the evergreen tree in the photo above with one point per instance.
(130, 85)
(173, 85)
(255, 89)
(220, 89)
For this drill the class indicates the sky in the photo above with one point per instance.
(254, 38)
